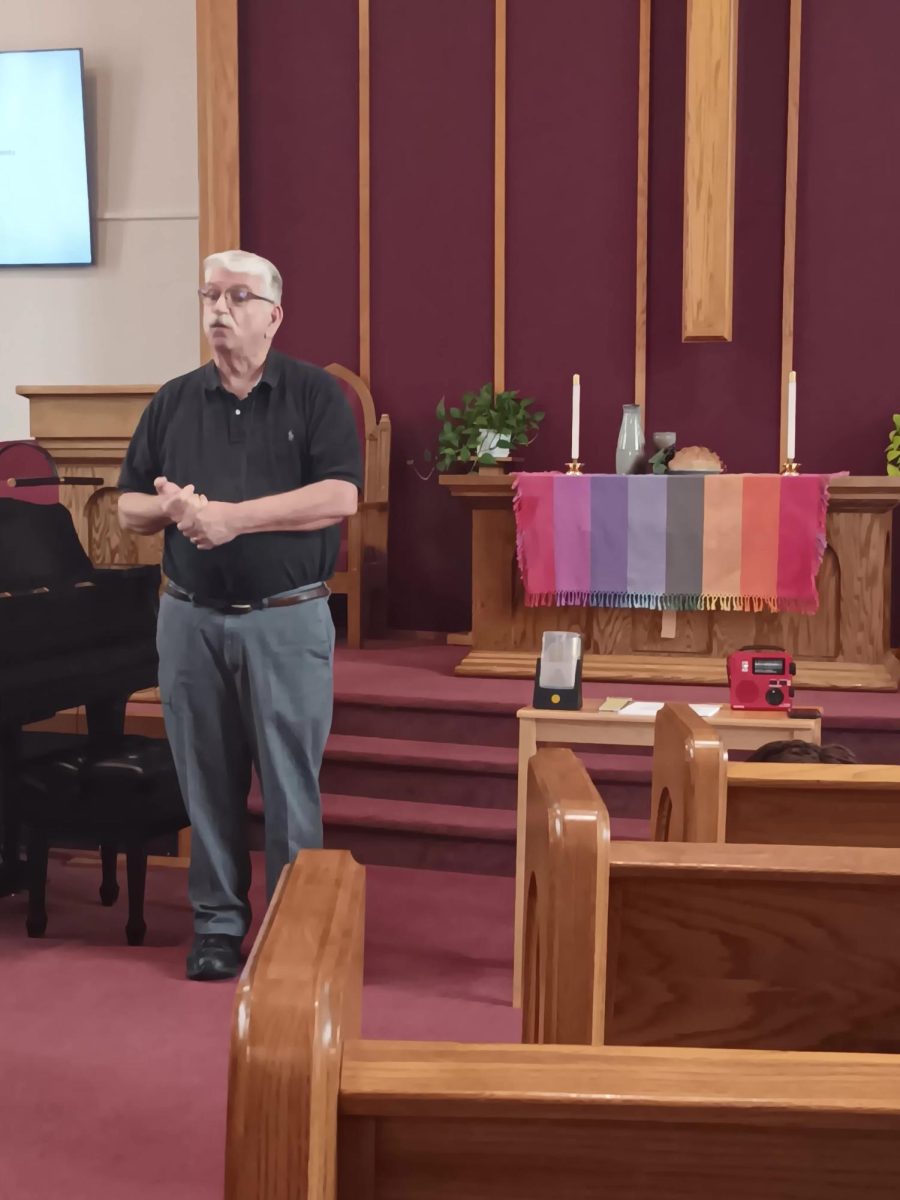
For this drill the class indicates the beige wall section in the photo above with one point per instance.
(132, 317)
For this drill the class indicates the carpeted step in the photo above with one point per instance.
(441, 837)
(471, 775)
(437, 837)
(486, 723)
(489, 721)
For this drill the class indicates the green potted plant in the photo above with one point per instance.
(893, 448)
(482, 429)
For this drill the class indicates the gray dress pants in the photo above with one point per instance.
(253, 688)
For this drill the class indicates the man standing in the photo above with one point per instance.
(249, 463)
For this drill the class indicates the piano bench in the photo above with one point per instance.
(122, 794)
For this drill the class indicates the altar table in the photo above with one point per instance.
(846, 644)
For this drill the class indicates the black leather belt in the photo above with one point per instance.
(236, 610)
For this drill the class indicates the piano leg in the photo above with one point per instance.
(12, 869)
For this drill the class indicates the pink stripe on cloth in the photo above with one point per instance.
(801, 540)
(572, 529)
(533, 505)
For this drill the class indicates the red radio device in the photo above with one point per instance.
(761, 677)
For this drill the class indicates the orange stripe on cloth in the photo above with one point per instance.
(759, 542)
(723, 502)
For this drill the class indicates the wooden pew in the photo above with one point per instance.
(698, 796)
(315, 1114)
(677, 944)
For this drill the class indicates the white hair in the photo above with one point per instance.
(242, 262)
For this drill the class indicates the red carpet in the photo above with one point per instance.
(113, 1068)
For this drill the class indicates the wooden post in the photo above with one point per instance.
(499, 195)
(643, 190)
(709, 153)
(217, 131)
(790, 220)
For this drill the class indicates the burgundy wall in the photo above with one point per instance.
(848, 234)
(571, 217)
(572, 124)
(720, 394)
(299, 190)
(432, 221)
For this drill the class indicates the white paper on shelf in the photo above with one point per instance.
(649, 708)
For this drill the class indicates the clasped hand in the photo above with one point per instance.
(206, 523)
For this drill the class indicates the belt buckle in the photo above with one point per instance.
(241, 608)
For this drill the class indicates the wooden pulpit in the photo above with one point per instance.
(846, 644)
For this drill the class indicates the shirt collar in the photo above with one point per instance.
(270, 376)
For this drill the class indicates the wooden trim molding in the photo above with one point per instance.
(710, 126)
(218, 148)
(499, 195)
(643, 190)
(365, 196)
(790, 219)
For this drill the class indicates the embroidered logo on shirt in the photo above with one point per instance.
(290, 435)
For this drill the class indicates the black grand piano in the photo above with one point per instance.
(71, 634)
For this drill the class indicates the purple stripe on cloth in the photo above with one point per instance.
(572, 537)
(684, 535)
(647, 534)
(609, 534)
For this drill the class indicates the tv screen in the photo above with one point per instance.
(44, 212)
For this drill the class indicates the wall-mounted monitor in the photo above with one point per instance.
(44, 206)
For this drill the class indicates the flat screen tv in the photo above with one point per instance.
(44, 210)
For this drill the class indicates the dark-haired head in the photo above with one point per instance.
(801, 752)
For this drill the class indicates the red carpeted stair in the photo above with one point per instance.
(420, 769)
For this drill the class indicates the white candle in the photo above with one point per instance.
(792, 415)
(576, 415)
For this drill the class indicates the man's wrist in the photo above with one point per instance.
(242, 516)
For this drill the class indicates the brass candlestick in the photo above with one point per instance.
(790, 467)
(574, 468)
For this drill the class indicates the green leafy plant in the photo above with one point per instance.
(893, 448)
(463, 428)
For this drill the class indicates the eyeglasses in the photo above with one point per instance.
(235, 297)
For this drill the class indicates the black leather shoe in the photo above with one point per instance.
(214, 956)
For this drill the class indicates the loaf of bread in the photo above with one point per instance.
(696, 458)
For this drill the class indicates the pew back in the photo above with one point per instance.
(299, 997)
(698, 796)
(541, 1122)
(315, 1113)
(689, 779)
(712, 945)
(829, 804)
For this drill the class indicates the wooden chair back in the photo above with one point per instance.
(315, 1115)
(361, 574)
(698, 796)
(701, 944)
(374, 434)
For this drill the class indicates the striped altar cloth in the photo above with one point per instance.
(683, 542)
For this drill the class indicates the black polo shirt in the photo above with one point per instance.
(294, 428)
